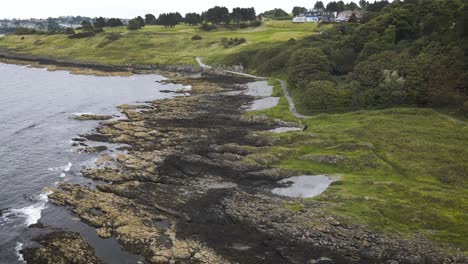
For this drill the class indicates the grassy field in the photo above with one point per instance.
(153, 44)
(404, 170)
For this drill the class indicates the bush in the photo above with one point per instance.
(242, 26)
(69, 31)
(232, 42)
(84, 34)
(208, 27)
(255, 23)
(25, 31)
(197, 37)
(321, 95)
(134, 24)
(307, 65)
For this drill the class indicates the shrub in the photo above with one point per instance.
(25, 31)
(134, 24)
(306, 65)
(232, 42)
(69, 31)
(242, 26)
(321, 95)
(196, 37)
(84, 34)
(208, 27)
(255, 23)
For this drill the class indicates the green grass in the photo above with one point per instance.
(405, 169)
(153, 45)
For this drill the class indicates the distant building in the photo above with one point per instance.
(315, 16)
(344, 16)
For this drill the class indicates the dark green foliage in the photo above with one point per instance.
(208, 27)
(276, 13)
(306, 65)
(25, 31)
(84, 34)
(114, 22)
(193, 19)
(140, 21)
(239, 15)
(134, 24)
(86, 25)
(232, 42)
(169, 19)
(150, 19)
(319, 5)
(407, 53)
(217, 15)
(197, 37)
(100, 22)
(53, 25)
(69, 31)
(298, 10)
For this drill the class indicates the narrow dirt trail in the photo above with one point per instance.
(284, 87)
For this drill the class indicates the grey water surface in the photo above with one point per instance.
(36, 152)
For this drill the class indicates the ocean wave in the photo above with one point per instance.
(18, 248)
(65, 168)
(31, 213)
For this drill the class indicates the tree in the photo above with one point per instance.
(150, 19)
(275, 13)
(321, 95)
(114, 22)
(168, 20)
(306, 65)
(335, 6)
(193, 19)
(319, 5)
(351, 6)
(140, 21)
(217, 15)
(100, 22)
(134, 24)
(52, 25)
(297, 10)
(239, 15)
(86, 25)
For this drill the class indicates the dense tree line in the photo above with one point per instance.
(101, 22)
(409, 53)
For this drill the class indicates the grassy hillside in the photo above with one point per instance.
(402, 169)
(153, 44)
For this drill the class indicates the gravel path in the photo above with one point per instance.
(292, 106)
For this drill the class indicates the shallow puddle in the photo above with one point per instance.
(306, 186)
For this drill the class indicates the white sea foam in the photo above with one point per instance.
(18, 248)
(68, 167)
(31, 213)
(64, 168)
(62, 175)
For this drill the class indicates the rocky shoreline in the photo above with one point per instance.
(186, 191)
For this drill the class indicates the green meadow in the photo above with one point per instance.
(153, 45)
(403, 170)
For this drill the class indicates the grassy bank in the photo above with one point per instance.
(402, 169)
(153, 45)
